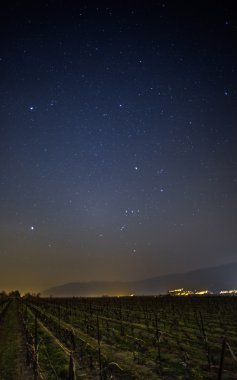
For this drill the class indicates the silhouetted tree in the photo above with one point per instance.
(14, 294)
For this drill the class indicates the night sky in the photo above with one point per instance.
(118, 156)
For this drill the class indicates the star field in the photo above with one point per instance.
(118, 140)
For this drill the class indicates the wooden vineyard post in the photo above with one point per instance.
(59, 317)
(222, 359)
(26, 313)
(157, 335)
(36, 348)
(73, 343)
(157, 338)
(121, 318)
(36, 334)
(98, 340)
(71, 371)
(205, 341)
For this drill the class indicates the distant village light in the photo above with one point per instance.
(183, 292)
(233, 291)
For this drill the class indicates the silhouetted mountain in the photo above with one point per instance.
(213, 279)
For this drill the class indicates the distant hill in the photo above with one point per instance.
(213, 279)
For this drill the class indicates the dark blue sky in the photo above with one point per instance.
(118, 139)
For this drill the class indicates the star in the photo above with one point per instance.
(32, 228)
(32, 108)
(123, 227)
(160, 171)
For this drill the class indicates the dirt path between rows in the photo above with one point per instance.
(12, 348)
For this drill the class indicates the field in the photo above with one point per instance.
(125, 338)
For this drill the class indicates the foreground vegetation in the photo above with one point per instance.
(118, 338)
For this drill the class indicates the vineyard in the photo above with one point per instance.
(125, 338)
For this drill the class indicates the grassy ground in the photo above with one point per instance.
(53, 356)
(184, 353)
(12, 351)
(52, 360)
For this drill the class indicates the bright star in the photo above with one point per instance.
(32, 228)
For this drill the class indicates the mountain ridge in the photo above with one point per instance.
(213, 278)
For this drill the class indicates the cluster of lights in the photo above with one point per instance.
(234, 291)
(201, 292)
(182, 292)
